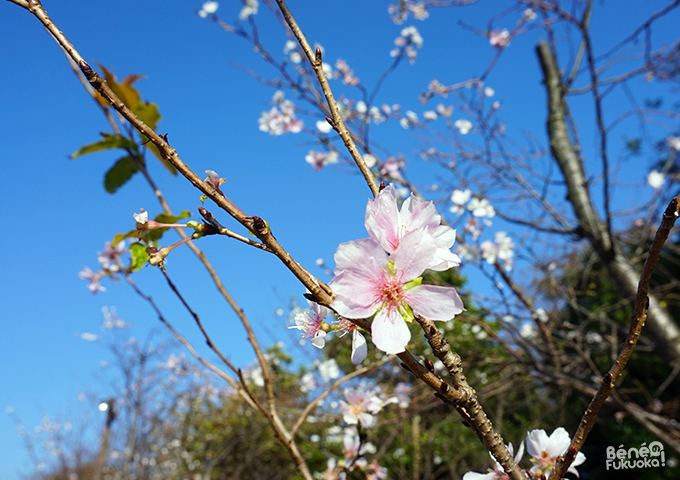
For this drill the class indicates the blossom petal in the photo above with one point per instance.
(354, 295)
(364, 257)
(382, 218)
(558, 443)
(390, 332)
(434, 302)
(318, 340)
(536, 439)
(444, 259)
(415, 253)
(418, 213)
(359, 347)
(479, 476)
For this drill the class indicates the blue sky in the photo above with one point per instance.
(58, 216)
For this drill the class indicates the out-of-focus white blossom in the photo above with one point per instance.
(250, 8)
(656, 179)
(480, 207)
(463, 126)
(459, 198)
(208, 8)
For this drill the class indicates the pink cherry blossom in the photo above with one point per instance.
(361, 406)
(367, 284)
(499, 39)
(281, 118)
(311, 323)
(387, 223)
(94, 278)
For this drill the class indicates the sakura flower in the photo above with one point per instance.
(367, 284)
(430, 115)
(406, 41)
(329, 370)
(370, 160)
(142, 217)
(445, 111)
(208, 8)
(463, 126)
(498, 473)
(656, 179)
(323, 126)
(94, 278)
(360, 407)
(312, 325)
(281, 118)
(459, 198)
(391, 168)
(480, 207)
(499, 39)
(501, 249)
(529, 15)
(109, 258)
(307, 382)
(89, 337)
(250, 8)
(401, 393)
(545, 450)
(347, 73)
(388, 224)
(318, 160)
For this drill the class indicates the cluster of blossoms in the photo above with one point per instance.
(399, 13)
(359, 410)
(249, 8)
(479, 207)
(500, 249)
(291, 49)
(544, 451)
(110, 261)
(347, 74)
(318, 160)
(391, 168)
(281, 118)
(380, 276)
(354, 450)
(362, 405)
(408, 40)
(209, 8)
(463, 126)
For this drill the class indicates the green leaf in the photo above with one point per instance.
(119, 174)
(138, 256)
(165, 218)
(147, 113)
(108, 142)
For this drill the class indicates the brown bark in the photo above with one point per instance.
(660, 324)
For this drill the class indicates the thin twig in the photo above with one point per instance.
(637, 322)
